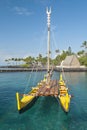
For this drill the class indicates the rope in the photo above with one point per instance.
(34, 78)
(30, 75)
(64, 74)
(26, 88)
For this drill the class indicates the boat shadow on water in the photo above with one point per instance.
(48, 104)
(28, 106)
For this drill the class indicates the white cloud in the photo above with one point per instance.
(22, 11)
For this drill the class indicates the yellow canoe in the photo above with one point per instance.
(27, 100)
(65, 101)
(64, 97)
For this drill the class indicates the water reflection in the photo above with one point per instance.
(74, 77)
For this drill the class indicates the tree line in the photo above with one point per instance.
(42, 61)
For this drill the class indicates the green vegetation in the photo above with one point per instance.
(83, 60)
(62, 56)
(42, 61)
(83, 54)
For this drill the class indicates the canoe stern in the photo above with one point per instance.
(18, 101)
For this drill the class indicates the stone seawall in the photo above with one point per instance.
(71, 69)
(58, 69)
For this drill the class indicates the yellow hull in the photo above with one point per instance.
(29, 99)
(65, 102)
(64, 97)
(26, 99)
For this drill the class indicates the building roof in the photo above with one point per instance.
(71, 61)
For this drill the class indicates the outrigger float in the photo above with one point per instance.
(46, 87)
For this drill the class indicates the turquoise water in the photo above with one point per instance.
(46, 114)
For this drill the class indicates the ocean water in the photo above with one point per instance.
(47, 113)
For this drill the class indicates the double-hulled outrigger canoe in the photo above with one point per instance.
(27, 100)
(64, 96)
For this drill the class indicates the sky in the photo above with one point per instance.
(23, 26)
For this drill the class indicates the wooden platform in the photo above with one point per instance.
(48, 89)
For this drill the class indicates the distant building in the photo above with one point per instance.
(71, 61)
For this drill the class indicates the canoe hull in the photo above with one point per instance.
(65, 102)
(64, 97)
(29, 105)
(26, 101)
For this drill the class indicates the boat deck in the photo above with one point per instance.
(48, 89)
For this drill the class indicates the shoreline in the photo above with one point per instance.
(57, 69)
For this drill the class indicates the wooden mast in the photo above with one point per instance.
(48, 44)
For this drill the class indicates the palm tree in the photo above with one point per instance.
(16, 60)
(29, 60)
(84, 44)
(7, 60)
(80, 52)
(57, 51)
(69, 50)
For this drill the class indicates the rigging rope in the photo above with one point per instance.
(27, 85)
(64, 74)
(30, 74)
